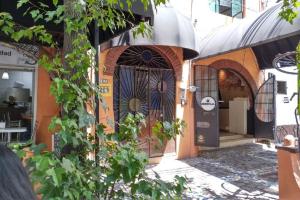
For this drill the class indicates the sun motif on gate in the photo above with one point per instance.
(144, 82)
(142, 56)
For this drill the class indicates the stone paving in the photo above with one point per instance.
(243, 172)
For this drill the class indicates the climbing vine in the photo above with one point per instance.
(88, 164)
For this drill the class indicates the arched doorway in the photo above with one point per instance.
(144, 82)
(223, 105)
(236, 104)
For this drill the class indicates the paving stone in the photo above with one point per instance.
(243, 172)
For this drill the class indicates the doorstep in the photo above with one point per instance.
(231, 141)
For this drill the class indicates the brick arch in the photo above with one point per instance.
(166, 52)
(112, 58)
(233, 65)
(171, 57)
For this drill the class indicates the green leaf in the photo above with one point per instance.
(21, 3)
(55, 2)
(55, 177)
(34, 13)
(67, 165)
(43, 163)
(43, 5)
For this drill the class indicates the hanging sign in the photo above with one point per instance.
(105, 88)
(12, 57)
(208, 103)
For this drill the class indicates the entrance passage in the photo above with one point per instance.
(144, 83)
(235, 104)
(223, 106)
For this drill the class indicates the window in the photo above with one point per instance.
(281, 87)
(17, 102)
(232, 8)
(18, 91)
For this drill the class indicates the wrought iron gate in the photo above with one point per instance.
(265, 109)
(148, 90)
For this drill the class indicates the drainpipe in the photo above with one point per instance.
(186, 87)
(190, 61)
(96, 73)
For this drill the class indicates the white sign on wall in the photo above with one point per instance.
(208, 103)
(12, 57)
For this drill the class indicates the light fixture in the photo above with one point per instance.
(193, 88)
(5, 75)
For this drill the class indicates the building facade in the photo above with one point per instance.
(190, 69)
(230, 81)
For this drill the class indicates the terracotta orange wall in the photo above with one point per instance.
(186, 147)
(288, 175)
(46, 105)
(244, 57)
(106, 116)
(184, 144)
(46, 108)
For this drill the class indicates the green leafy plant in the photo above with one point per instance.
(289, 10)
(164, 130)
(89, 165)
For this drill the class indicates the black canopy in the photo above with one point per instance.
(137, 9)
(267, 35)
(170, 28)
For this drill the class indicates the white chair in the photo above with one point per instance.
(32, 138)
(16, 124)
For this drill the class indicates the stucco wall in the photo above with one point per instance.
(288, 174)
(106, 72)
(246, 63)
(46, 106)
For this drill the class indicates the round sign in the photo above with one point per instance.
(208, 103)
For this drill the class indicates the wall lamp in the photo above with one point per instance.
(5, 76)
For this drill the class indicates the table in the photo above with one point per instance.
(12, 130)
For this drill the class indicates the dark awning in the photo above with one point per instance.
(137, 9)
(170, 29)
(267, 34)
(266, 53)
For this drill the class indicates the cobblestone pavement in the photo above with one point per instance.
(243, 172)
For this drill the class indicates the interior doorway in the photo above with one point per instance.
(236, 104)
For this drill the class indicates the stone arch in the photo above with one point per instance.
(233, 65)
(166, 52)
